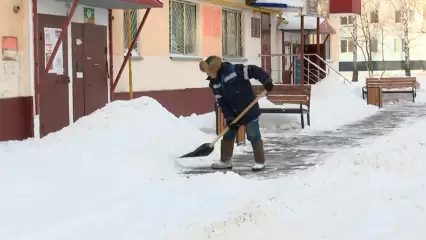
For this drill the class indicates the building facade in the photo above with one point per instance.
(177, 37)
(174, 39)
(383, 23)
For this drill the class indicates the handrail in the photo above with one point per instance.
(320, 68)
(345, 79)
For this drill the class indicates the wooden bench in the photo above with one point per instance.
(298, 95)
(391, 85)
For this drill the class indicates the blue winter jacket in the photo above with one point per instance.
(233, 90)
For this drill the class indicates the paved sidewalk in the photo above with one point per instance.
(290, 151)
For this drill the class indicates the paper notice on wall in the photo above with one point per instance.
(51, 36)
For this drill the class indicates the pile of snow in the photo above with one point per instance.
(204, 122)
(140, 134)
(334, 104)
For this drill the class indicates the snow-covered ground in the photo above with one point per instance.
(115, 175)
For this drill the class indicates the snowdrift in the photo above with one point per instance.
(139, 134)
(111, 175)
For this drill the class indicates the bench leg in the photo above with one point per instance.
(302, 120)
(414, 95)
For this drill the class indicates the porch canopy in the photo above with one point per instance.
(310, 24)
(277, 3)
(119, 4)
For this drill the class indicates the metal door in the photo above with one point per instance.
(95, 67)
(90, 76)
(54, 103)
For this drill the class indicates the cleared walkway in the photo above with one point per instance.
(290, 151)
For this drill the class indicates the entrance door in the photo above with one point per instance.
(265, 41)
(90, 68)
(54, 104)
(95, 67)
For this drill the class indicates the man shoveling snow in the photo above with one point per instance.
(233, 92)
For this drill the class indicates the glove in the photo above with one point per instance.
(232, 126)
(269, 86)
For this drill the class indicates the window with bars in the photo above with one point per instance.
(232, 40)
(183, 28)
(134, 22)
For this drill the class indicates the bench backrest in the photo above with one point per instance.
(286, 93)
(392, 82)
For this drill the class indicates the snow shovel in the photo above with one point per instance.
(207, 148)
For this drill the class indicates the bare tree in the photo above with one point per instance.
(404, 27)
(364, 32)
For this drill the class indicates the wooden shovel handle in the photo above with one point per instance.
(239, 116)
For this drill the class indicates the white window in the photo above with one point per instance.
(347, 20)
(374, 45)
(327, 46)
(346, 46)
(398, 45)
(374, 16)
(397, 16)
(232, 40)
(183, 28)
(134, 24)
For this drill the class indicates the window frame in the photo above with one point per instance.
(398, 16)
(346, 20)
(195, 54)
(374, 14)
(376, 45)
(241, 33)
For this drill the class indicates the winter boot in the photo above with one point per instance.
(226, 151)
(259, 156)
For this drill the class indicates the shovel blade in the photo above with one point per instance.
(202, 151)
